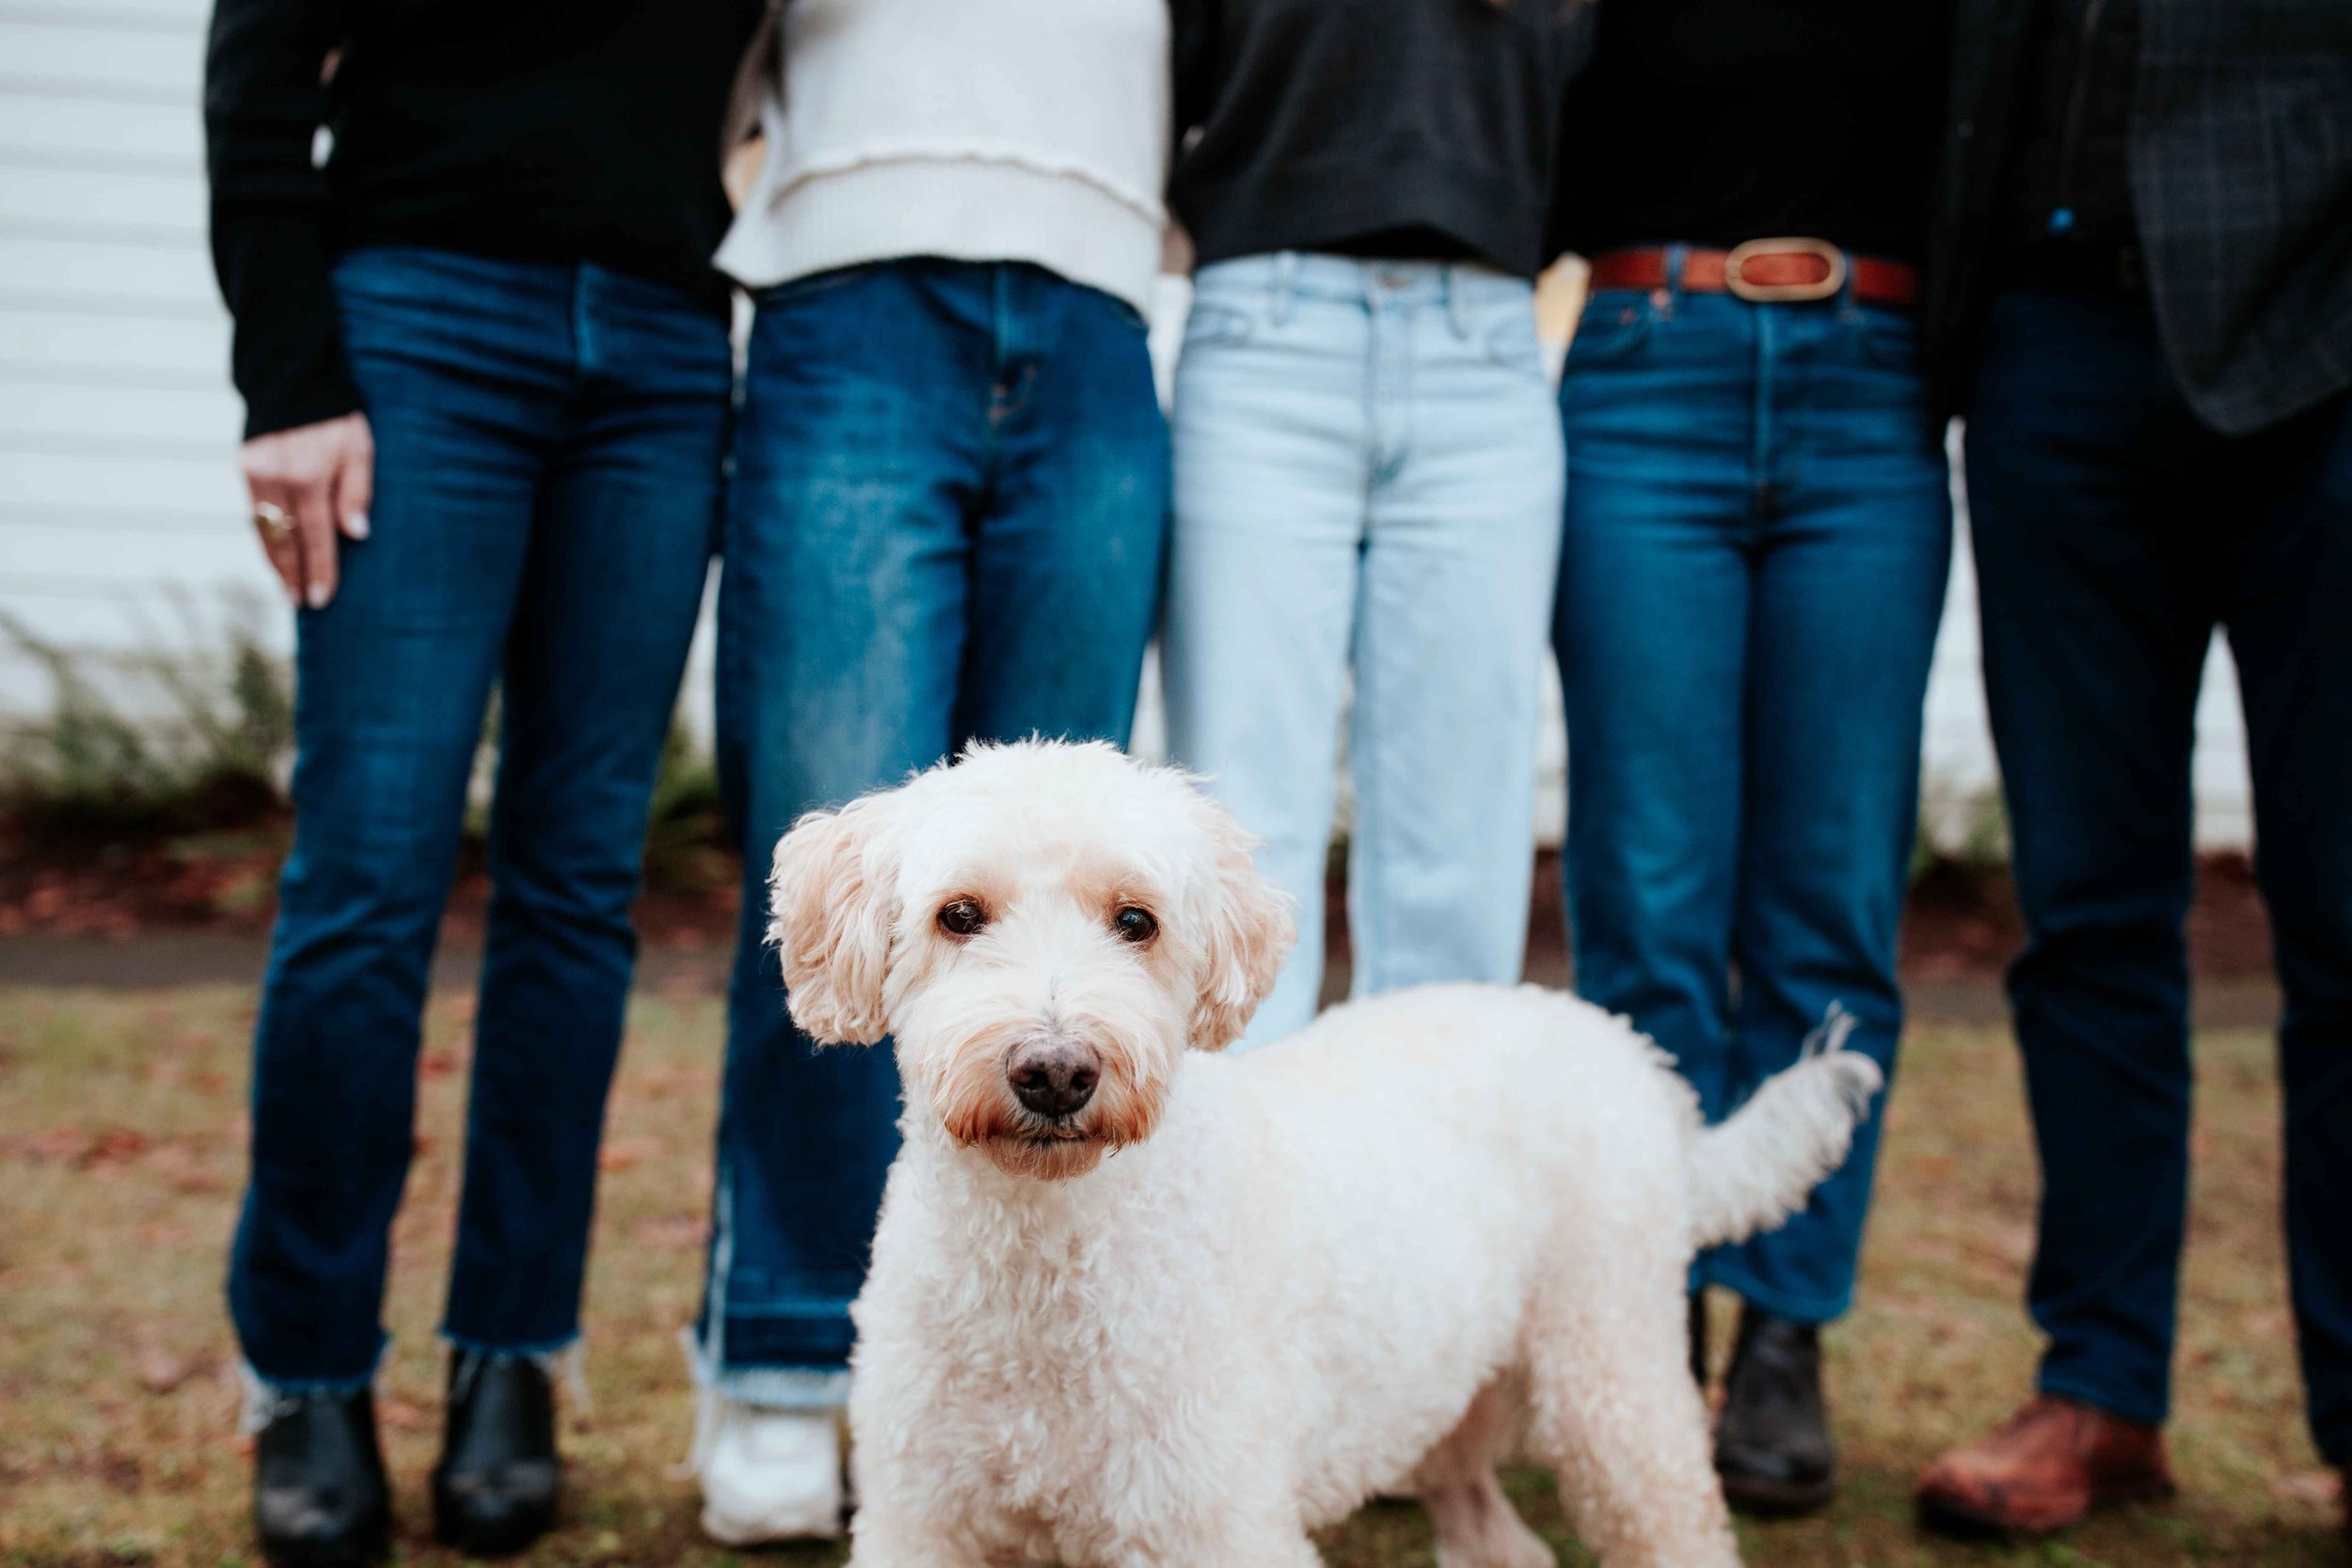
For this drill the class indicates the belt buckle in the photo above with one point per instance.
(1736, 261)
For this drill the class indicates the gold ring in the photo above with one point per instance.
(272, 520)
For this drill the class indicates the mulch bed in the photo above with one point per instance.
(1961, 923)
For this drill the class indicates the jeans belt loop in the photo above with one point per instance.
(1457, 313)
(1285, 286)
(1678, 257)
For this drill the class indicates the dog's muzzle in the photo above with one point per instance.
(1054, 1078)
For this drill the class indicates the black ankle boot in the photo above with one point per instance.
(319, 1497)
(1773, 1447)
(495, 1489)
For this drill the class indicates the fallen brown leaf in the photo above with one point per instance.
(160, 1370)
(621, 1153)
(2318, 1488)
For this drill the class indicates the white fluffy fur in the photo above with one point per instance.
(1432, 1229)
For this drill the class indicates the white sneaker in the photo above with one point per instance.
(770, 1475)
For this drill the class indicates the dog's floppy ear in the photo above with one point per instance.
(832, 907)
(1250, 931)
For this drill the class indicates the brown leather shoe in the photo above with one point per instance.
(2043, 1469)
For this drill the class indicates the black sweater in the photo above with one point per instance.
(1326, 124)
(1716, 121)
(537, 130)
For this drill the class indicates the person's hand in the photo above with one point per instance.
(309, 484)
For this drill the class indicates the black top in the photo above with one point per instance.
(2071, 188)
(1712, 122)
(537, 130)
(1422, 128)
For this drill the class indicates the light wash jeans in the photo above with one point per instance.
(1368, 480)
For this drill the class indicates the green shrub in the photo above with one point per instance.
(163, 739)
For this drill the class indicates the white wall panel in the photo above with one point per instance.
(133, 483)
(84, 131)
(48, 270)
(52, 51)
(79, 346)
(112, 204)
(106, 421)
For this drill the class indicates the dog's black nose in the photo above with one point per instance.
(1053, 1078)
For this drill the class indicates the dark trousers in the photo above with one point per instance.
(548, 441)
(2113, 534)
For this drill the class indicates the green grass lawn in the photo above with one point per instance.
(121, 1123)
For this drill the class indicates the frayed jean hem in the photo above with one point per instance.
(802, 1388)
(266, 1399)
(296, 1388)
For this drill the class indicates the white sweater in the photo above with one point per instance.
(980, 130)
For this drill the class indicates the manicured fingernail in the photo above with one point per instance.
(318, 595)
(357, 525)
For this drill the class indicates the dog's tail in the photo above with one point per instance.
(1754, 1170)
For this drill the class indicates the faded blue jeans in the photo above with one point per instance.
(1758, 538)
(1368, 487)
(945, 523)
(547, 450)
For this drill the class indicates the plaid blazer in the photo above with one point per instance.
(2241, 171)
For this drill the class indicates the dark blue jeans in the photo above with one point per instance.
(1758, 537)
(549, 446)
(2113, 534)
(945, 523)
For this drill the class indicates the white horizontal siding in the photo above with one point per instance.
(121, 521)
(180, 421)
(78, 345)
(123, 525)
(105, 55)
(109, 204)
(51, 273)
(69, 132)
(145, 16)
(133, 486)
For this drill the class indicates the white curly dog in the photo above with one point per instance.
(1138, 1305)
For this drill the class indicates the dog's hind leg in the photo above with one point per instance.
(1477, 1527)
(1613, 1413)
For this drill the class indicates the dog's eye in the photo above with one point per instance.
(962, 918)
(1134, 924)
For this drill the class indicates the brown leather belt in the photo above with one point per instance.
(1790, 270)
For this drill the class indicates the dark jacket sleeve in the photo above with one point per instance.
(264, 101)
